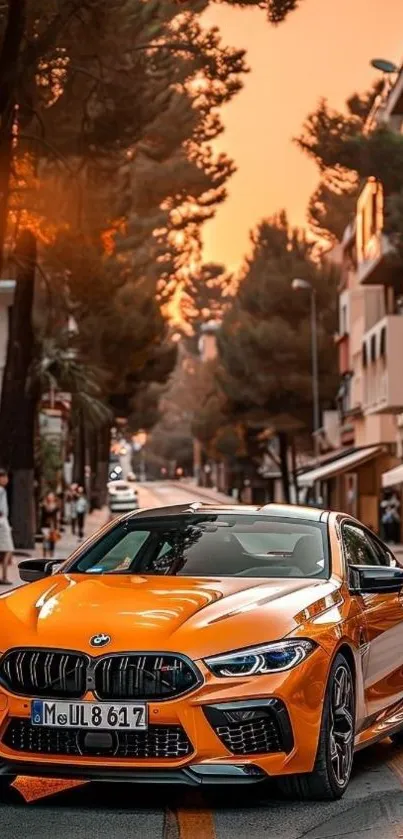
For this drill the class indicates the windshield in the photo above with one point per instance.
(210, 546)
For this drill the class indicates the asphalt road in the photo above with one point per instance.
(371, 809)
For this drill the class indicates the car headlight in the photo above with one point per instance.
(257, 661)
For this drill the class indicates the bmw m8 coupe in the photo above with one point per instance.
(199, 644)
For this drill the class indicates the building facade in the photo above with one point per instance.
(370, 344)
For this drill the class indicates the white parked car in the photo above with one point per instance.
(122, 497)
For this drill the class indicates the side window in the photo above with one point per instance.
(385, 556)
(359, 548)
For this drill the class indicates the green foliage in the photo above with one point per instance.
(118, 106)
(329, 210)
(325, 132)
(378, 154)
(279, 9)
(206, 295)
(121, 330)
(343, 154)
(264, 341)
(57, 368)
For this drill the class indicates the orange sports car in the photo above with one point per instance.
(203, 644)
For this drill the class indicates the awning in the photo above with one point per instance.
(336, 467)
(394, 477)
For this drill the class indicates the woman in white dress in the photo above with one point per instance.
(6, 539)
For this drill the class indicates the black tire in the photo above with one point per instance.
(331, 774)
(5, 785)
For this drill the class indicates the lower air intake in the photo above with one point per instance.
(159, 741)
(252, 727)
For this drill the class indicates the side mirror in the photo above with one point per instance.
(375, 579)
(31, 570)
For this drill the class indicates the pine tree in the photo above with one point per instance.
(87, 86)
(206, 295)
(333, 140)
(264, 341)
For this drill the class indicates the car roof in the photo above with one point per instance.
(291, 511)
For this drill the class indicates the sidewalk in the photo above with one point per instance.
(66, 545)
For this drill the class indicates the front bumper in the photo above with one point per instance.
(218, 751)
(193, 776)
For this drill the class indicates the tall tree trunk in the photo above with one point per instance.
(102, 471)
(79, 450)
(6, 147)
(92, 445)
(18, 401)
(285, 475)
(9, 68)
(294, 469)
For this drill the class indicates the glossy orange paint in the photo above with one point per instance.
(209, 616)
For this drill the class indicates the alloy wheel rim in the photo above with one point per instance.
(342, 725)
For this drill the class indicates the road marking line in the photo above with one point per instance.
(32, 789)
(171, 825)
(196, 824)
(396, 765)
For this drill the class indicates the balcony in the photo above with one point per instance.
(382, 376)
(374, 265)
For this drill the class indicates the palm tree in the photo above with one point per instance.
(57, 368)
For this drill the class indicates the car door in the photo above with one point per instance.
(383, 623)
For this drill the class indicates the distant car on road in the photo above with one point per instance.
(115, 473)
(122, 497)
(202, 644)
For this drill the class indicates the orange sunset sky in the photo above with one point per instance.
(323, 49)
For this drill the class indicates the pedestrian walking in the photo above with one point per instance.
(6, 539)
(390, 517)
(50, 517)
(82, 510)
(67, 507)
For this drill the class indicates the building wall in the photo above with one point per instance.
(376, 429)
(375, 338)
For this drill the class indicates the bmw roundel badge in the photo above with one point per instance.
(100, 640)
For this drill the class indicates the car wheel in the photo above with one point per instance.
(397, 738)
(334, 758)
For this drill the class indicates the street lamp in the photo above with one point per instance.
(304, 285)
(384, 65)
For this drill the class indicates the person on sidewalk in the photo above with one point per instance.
(50, 515)
(6, 539)
(82, 510)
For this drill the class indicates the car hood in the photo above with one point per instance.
(197, 617)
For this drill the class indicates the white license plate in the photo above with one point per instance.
(91, 715)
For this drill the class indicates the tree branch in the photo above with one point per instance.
(88, 73)
(41, 45)
(41, 140)
(179, 46)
